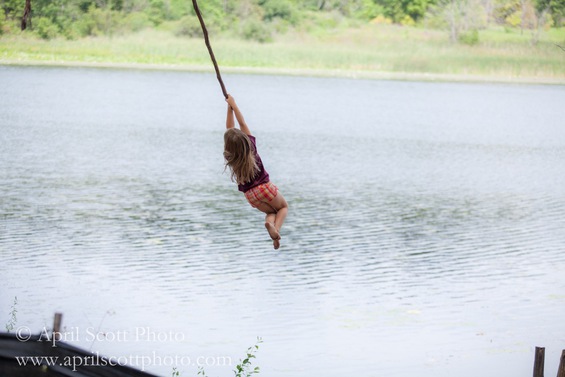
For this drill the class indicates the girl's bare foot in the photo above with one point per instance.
(273, 232)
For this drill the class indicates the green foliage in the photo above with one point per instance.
(257, 31)
(98, 21)
(514, 19)
(407, 21)
(327, 20)
(214, 14)
(470, 37)
(189, 26)
(260, 20)
(115, 4)
(282, 9)
(179, 9)
(556, 9)
(368, 10)
(364, 50)
(504, 9)
(461, 18)
(245, 368)
(11, 8)
(136, 21)
(516, 13)
(13, 316)
(397, 10)
(380, 19)
(45, 28)
(157, 11)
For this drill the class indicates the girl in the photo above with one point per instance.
(240, 153)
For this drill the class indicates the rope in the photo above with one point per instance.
(207, 40)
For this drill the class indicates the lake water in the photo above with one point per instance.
(426, 233)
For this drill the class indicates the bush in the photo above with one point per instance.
(514, 19)
(328, 20)
(97, 22)
(214, 15)
(136, 21)
(257, 31)
(278, 26)
(470, 37)
(72, 32)
(179, 8)
(407, 21)
(368, 10)
(380, 19)
(8, 26)
(156, 12)
(279, 9)
(45, 28)
(189, 26)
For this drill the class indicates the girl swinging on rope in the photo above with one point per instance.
(240, 153)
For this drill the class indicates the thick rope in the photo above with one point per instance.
(207, 40)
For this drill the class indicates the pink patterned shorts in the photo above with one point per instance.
(262, 193)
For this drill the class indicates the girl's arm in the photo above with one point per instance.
(239, 116)
(229, 118)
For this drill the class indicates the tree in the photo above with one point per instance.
(11, 8)
(543, 10)
(27, 15)
(463, 18)
(556, 8)
(397, 10)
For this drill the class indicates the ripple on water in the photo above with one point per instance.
(395, 242)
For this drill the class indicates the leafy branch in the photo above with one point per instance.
(13, 316)
(244, 368)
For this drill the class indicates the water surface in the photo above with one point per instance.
(426, 230)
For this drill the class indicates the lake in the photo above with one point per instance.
(425, 235)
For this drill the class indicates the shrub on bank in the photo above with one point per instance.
(256, 31)
(188, 26)
(136, 21)
(45, 28)
(469, 38)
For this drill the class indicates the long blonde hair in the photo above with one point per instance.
(239, 156)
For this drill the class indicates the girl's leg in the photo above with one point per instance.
(276, 211)
(281, 207)
(270, 220)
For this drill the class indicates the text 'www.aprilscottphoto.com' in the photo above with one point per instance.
(141, 362)
(94, 359)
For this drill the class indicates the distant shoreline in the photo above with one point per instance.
(305, 72)
(377, 52)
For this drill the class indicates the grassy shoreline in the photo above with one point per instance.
(369, 52)
(398, 76)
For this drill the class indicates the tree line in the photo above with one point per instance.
(260, 19)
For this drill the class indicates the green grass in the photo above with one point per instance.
(368, 49)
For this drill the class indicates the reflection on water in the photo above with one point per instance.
(425, 233)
